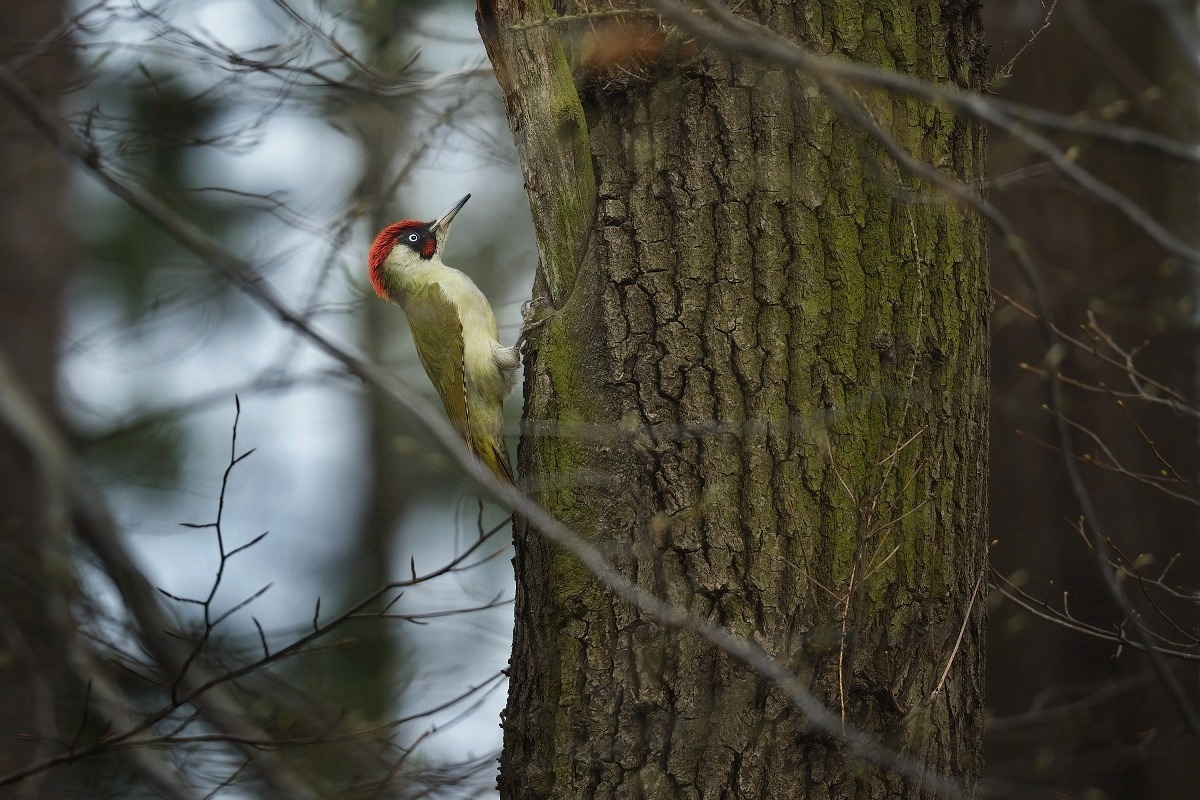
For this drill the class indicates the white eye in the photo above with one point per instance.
(412, 237)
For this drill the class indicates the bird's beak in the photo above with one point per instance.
(442, 225)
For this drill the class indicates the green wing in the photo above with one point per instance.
(437, 332)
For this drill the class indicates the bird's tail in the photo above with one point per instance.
(495, 455)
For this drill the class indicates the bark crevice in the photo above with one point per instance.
(764, 401)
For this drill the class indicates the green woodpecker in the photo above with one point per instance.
(454, 330)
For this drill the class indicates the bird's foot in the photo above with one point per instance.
(534, 314)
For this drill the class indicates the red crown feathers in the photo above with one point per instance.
(380, 248)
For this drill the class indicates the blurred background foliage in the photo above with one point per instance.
(1080, 714)
(292, 133)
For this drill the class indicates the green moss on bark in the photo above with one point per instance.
(760, 395)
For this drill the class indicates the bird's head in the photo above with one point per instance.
(407, 243)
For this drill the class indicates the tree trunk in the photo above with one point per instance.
(38, 696)
(761, 389)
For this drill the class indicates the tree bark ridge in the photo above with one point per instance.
(766, 398)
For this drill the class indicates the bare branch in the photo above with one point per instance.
(1006, 71)
(736, 34)
(243, 276)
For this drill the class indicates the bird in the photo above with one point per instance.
(454, 329)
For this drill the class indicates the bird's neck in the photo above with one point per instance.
(404, 278)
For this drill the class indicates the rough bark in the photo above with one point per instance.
(761, 388)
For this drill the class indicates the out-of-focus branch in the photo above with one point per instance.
(1064, 618)
(1147, 388)
(1040, 713)
(735, 34)
(68, 493)
(17, 646)
(243, 276)
(738, 35)
(1006, 71)
(200, 686)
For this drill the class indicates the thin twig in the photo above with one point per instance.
(958, 641)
